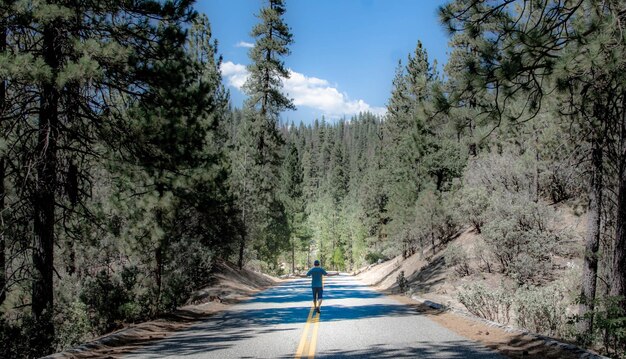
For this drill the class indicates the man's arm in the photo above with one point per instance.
(332, 274)
(304, 275)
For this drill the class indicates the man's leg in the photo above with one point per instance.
(320, 296)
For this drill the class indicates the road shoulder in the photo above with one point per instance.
(508, 343)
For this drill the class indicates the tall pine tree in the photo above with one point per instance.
(256, 159)
(75, 57)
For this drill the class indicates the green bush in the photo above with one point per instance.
(132, 311)
(338, 259)
(435, 221)
(456, 257)
(610, 321)
(176, 290)
(403, 283)
(498, 199)
(473, 206)
(14, 341)
(491, 304)
(374, 257)
(521, 237)
(483, 254)
(72, 326)
(129, 277)
(499, 172)
(108, 297)
(21, 338)
(542, 310)
(187, 271)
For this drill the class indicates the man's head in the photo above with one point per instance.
(316, 263)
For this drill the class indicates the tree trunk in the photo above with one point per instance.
(242, 247)
(473, 146)
(535, 189)
(244, 235)
(3, 45)
(44, 197)
(618, 283)
(320, 249)
(72, 101)
(3, 281)
(159, 251)
(432, 233)
(592, 240)
(71, 186)
(439, 180)
(293, 255)
(158, 274)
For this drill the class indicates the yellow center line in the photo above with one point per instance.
(314, 337)
(305, 335)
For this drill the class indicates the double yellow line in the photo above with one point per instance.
(315, 320)
(312, 343)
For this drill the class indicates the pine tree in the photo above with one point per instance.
(292, 197)
(75, 81)
(256, 159)
(466, 95)
(407, 137)
(268, 69)
(176, 127)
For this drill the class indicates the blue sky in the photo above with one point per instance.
(345, 51)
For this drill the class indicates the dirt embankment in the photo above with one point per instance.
(512, 344)
(229, 285)
(432, 283)
(430, 278)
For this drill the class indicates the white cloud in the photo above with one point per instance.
(244, 44)
(236, 74)
(319, 94)
(307, 91)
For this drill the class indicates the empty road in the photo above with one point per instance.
(356, 322)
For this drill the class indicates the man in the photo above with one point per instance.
(317, 285)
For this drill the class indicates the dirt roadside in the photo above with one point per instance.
(511, 344)
(230, 286)
(430, 279)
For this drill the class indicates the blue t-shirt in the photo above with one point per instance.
(316, 274)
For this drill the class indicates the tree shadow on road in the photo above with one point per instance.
(292, 315)
(450, 350)
(330, 292)
(301, 291)
(230, 327)
(197, 340)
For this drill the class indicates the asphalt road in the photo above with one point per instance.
(356, 322)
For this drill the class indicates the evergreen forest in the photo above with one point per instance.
(126, 172)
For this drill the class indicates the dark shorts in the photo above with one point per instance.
(318, 293)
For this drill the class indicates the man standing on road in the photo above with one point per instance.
(317, 284)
